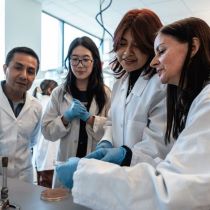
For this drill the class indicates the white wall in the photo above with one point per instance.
(20, 25)
(2, 37)
(23, 25)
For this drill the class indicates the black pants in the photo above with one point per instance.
(44, 178)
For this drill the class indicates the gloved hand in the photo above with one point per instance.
(104, 144)
(83, 113)
(76, 110)
(112, 155)
(66, 171)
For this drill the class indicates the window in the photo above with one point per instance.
(51, 44)
(56, 38)
(70, 33)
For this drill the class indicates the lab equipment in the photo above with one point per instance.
(4, 202)
(56, 194)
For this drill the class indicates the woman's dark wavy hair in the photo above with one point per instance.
(95, 86)
(195, 72)
(144, 25)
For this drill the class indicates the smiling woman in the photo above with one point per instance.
(134, 130)
(79, 107)
(167, 47)
(81, 62)
(182, 179)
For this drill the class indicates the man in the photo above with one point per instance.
(20, 113)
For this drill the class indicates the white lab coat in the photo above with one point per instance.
(53, 128)
(139, 120)
(181, 181)
(18, 135)
(45, 152)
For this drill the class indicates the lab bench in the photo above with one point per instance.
(27, 196)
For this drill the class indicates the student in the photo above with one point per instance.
(20, 113)
(182, 180)
(138, 109)
(45, 152)
(78, 108)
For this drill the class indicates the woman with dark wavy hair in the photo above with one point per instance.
(136, 124)
(182, 179)
(134, 131)
(78, 108)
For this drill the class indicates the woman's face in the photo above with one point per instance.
(169, 58)
(129, 55)
(81, 62)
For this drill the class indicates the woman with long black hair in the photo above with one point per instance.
(79, 107)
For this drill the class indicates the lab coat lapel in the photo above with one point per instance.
(5, 105)
(138, 88)
(27, 104)
(124, 89)
(68, 97)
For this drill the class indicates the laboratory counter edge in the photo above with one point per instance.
(27, 196)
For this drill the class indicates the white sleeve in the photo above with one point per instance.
(108, 124)
(108, 129)
(37, 130)
(181, 181)
(52, 126)
(100, 120)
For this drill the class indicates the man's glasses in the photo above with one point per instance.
(74, 61)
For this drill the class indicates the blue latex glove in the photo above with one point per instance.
(76, 110)
(66, 171)
(112, 155)
(104, 144)
(83, 113)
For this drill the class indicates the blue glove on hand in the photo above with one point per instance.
(112, 155)
(76, 110)
(66, 171)
(104, 144)
(84, 115)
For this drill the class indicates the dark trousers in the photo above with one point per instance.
(44, 178)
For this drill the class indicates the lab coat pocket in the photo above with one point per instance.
(134, 132)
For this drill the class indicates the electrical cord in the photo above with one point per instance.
(100, 22)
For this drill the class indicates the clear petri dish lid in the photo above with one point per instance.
(56, 194)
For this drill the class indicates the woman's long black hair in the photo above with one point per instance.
(195, 72)
(95, 86)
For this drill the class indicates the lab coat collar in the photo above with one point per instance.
(68, 97)
(139, 86)
(7, 108)
(27, 104)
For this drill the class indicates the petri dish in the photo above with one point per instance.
(56, 194)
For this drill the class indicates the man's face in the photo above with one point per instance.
(20, 73)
